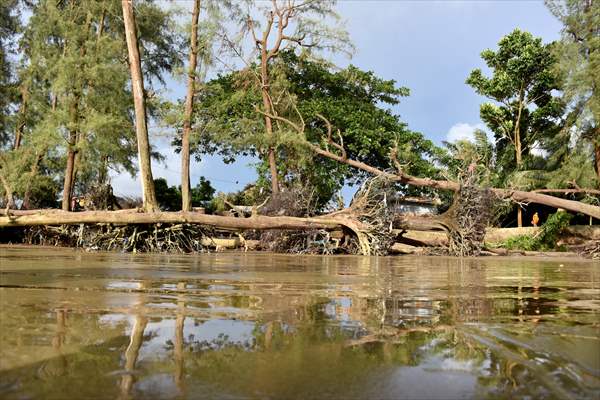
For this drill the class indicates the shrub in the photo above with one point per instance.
(545, 239)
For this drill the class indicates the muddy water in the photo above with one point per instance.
(77, 325)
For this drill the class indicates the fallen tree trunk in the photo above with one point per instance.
(568, 191)
(514, 195)
(58, 217)
(551, 201)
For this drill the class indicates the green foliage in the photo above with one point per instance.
(354, 101)
(9, 26)
(523, 78)
(250, 195)
(476, 155)
(168, 197)
(73, 80)
(546, 238)
(44, 192)
(579, 60)
(202, 193)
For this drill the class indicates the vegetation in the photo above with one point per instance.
(546, 238)
(81, 84)
(170, 197)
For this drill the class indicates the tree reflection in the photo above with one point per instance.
(131, 354)
(178, 344)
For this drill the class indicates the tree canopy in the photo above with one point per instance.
(355, 102)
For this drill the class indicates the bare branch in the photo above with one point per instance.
(297, 128)
(330, 140)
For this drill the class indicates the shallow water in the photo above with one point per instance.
(79, 325)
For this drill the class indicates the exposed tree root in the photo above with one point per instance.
(470, 216)
(155, 238)
(591, 250)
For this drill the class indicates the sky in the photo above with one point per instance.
(428, 46)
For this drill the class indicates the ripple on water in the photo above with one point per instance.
(82, 325)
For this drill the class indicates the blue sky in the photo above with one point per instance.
(428, 46)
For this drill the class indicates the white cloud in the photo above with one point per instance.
(464, 131)
(537, 150)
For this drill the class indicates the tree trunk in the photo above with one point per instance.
(10, 201)
(518, 152)
(268, 121)
(141, 127)
(597, 156)
(103, 170)
(515, 195)
(125, 217)
(21, 119)
(67, 185)
(71, 152)
(131, 354)
(186, 197)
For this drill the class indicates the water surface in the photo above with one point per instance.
(236, 326)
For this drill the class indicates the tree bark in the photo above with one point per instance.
(518, 151)
(265, 56)
(260, 222)
(186, 197)
(131, 354)
(10, 201)
(67, 185)
(268, 122)
(71, 152)
(568, 191)
(21, 118)
(141, 126)
(597, 156)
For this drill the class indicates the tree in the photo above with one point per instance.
(168, 197)
(578, 52)
(139, 99)
(475, 156)
(523, 77)
(202, 193)
(309, 34)
(355, 102)
(9, 26)
(186, 197)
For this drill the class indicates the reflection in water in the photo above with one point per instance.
(132, 352)
(76, 325)
(178, 350)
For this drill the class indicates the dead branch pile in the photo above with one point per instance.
(472, 213)
(371, 209)
(155, 238)
(591, 250)
(301, 242)
(101, 197)
(466, 220)
(295, 202)
(367, 222)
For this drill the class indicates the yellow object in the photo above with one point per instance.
(535, 219)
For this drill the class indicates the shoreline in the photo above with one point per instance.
(548, 256)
